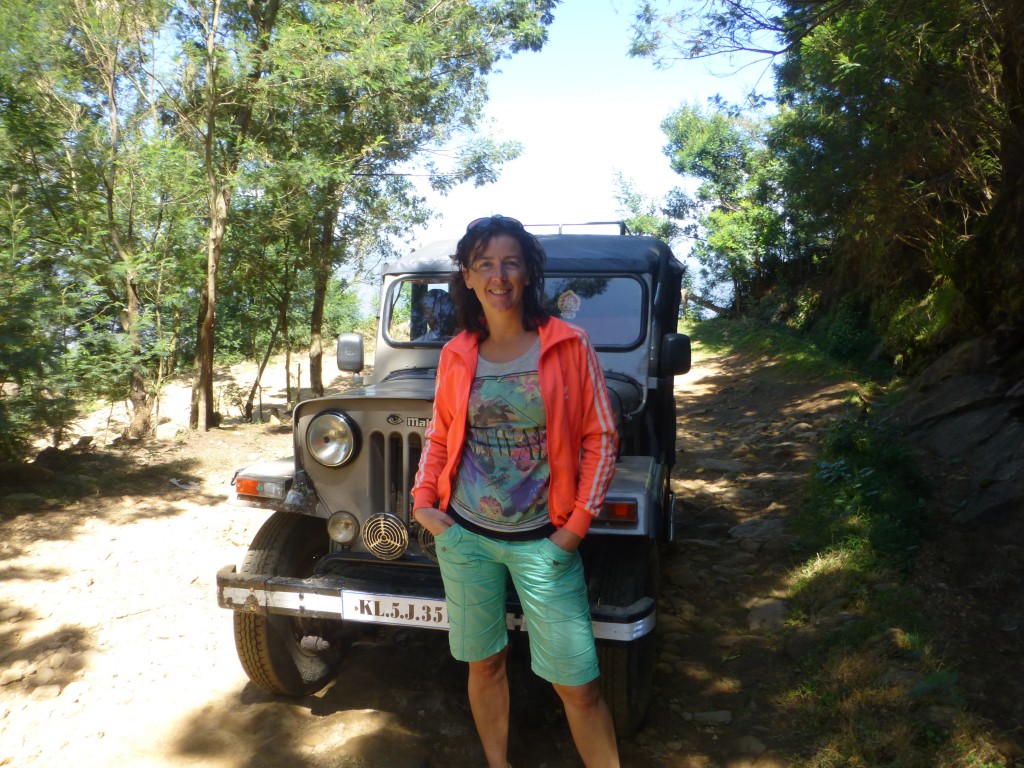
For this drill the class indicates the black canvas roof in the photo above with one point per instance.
(573, 253)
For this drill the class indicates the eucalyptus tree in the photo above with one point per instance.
(341, 88)
(97, 167)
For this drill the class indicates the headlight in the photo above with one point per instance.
(331, 439)
(342, 527)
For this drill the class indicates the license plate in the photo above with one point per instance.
(407, 611)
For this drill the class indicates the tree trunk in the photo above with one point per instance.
(203, 414)
(708, 305)
(141, 424)
(263, 365)
(321, 280)
(219, 175)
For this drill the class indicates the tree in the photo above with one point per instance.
(343, 89)
(733, 217)
(93, 164)
(897, 143)
(642, 215)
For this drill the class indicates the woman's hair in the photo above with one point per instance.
(478, 235)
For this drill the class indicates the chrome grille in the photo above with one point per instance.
(394, 458)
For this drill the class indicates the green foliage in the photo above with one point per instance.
(642, 215)
(895, 145)
(846, 334)
(732, 216)
(790, 349)
(32, 393)
(147, 146)
(865, 495)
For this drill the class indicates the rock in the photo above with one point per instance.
(26, 501)
(681, 575)
(718, 717)
(900, 677)
(1003, 495)
(723, 465)
(750, 745)
(966, 358)
(767, 613)
(728, 641)
(14, 474)
(9, 676)
(891, 643)
(57, 660)
(750, 545)
(744, 451)
(803, 642)
(10, 613)
(759, 528)
(708, 625)
(51, 458)
(956, 436)
(43, 676)
(953, 396)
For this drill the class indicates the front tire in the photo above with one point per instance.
(288, 655)
(624, 574)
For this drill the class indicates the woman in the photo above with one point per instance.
(517, 460)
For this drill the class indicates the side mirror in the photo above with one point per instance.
(350, 352)
(675, 354)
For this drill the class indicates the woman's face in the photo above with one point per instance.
(498, 276)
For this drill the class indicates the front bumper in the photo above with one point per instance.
(419, 602)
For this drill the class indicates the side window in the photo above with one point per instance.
(421, 312)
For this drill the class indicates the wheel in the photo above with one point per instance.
(624, 574)
(288, 655)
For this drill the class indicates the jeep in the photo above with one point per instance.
(341, 549)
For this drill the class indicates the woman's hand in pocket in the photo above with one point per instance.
(434, 520)
(566, 540)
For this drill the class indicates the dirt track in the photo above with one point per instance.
(113, 651)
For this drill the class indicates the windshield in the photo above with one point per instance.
(610, 309)
(420, 312)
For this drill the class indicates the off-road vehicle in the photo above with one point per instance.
(342, 551)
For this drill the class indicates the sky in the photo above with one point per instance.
(583, 111)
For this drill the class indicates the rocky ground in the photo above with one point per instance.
(113, 651)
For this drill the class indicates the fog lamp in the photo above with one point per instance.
(342, 527)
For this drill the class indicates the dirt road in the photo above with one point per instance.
(113, 651)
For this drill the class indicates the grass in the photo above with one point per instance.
(875, 691)
(788, 348)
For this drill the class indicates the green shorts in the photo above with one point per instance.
(551, 589)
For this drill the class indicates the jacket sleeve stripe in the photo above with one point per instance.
(606, 461)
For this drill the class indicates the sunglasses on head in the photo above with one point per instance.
(483, 221)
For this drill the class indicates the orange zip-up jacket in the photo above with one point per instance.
(582, 440)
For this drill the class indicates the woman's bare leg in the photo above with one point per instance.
(488, 698)
(590, 723)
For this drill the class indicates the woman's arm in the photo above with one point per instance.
(598, 442)
(434, 457)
